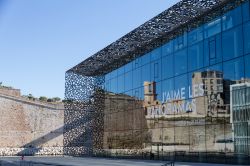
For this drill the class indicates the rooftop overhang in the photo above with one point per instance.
(185, 15)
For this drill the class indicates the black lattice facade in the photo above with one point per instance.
(83, 114)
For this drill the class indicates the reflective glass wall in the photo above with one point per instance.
(188, 99)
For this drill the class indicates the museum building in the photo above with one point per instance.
(175, 88)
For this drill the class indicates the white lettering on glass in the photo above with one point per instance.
(175, 102)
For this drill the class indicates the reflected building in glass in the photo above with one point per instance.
(182, 93)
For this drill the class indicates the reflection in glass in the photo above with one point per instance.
(137, 63)
(128, 81)
(137, 78)
(181, 87)
(195, 36)
(231, 19)
(167, 86)
(167, 48)
(180, 62)
(195, 56)
(128, 67)
(212, 50)
(146, 73)
(217, 67)
(120, 84)
(180, 42)
(138, 93)
(234, 69)
(189, 102)
(232, 43)
(113, 74)
(156, 70)
(107, 85)
(156, 54)
(159, 91)
(212, 28)
(145, 59)
(247, 66)
(240, 99)
(246, 30)
(167, 66)
(113, 85)
(246, 11)
(120, 71)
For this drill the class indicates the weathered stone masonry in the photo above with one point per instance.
(29, 127)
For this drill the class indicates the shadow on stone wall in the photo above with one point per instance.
(72, 135)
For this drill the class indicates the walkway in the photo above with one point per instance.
(77, 161)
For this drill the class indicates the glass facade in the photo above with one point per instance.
(188, 98)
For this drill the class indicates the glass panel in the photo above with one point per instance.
(107, 86)
(167, 67)
(113, 85)
(137, 63)
(247, 66)
(195, 36)
(120, 71)
(217, 67)
(180, 42)
(215, 136)
(212, 28)
(156, 70)
(137, 78)
(231, 19)
(128, 81)
(156, 54)
(182, 141)
(138, 93)
(212, 50)
(234, 70)
(181, 87)
(167, 89)
(159, 91)
(129, 93)
(195, 56)
(145, 59)
(146, 73)
(232, 43)
(246, 30)
(120, 85)
(107, 77)
(180, 62)
(194, 84)
(246, 11)
(128, 67)
(113, 74)
(167, 48)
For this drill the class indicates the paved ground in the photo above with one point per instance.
(76, 161)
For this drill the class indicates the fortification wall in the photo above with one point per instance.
(10, 91)
(29, 127)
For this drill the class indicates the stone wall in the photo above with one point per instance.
(10, 91)
(29, 127)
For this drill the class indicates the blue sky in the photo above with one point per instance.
(41, 39)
